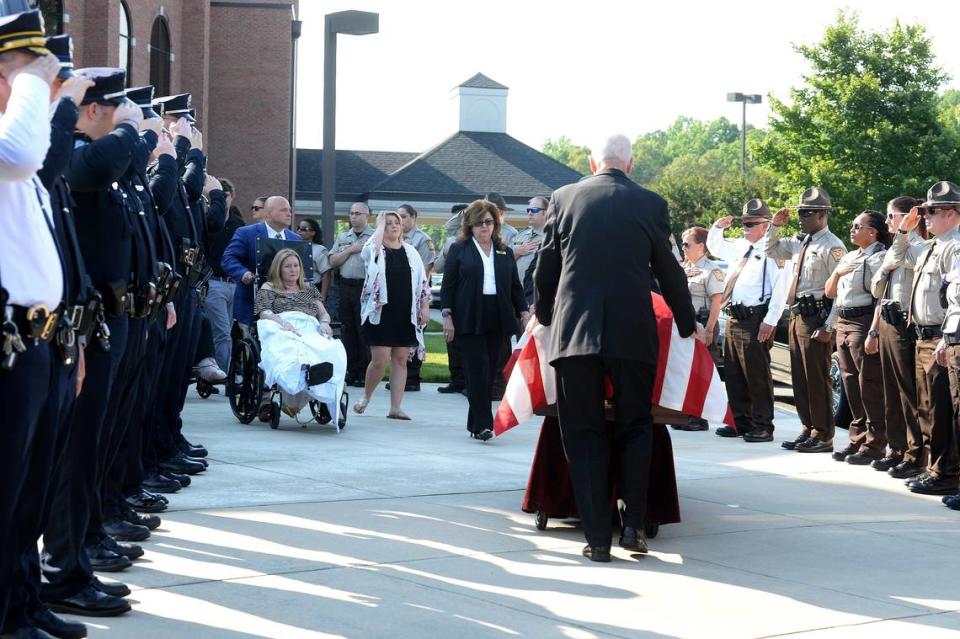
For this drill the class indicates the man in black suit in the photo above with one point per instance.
(606, 239)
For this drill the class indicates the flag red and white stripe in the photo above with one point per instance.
(687, 380)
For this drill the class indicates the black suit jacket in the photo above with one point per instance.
(462, 288)
(605, 238)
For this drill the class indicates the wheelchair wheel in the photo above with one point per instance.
(651, 530)
(244, 381)
(344, 405)
(541, 519)
(320, 412)
(275, 411)
(204, 388)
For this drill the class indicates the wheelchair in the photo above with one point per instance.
(247, 394)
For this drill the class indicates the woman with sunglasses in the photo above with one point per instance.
(706, 281)
(892, 339)
(850, 286)
(481, 298)
(309, 230)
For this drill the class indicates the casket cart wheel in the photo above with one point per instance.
(541, 519)
(651, 530)
(204, 388)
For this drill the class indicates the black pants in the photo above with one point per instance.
(33, 512)
(358, 351)
(414, 364)
(24, 392)
(145, 461)
(455, 364)
(481, 354)
(580, 402)
(499, 381)
(66, 565)
(121, 429)
(205, 347)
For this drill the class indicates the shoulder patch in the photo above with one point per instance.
(837, 253)
(718, 274)
(781, 263)
(430, 245)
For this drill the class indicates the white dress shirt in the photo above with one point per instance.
(276, 235)
(30, 267)
(489, 279)
(750, 289)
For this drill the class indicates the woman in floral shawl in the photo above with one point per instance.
(395, 307)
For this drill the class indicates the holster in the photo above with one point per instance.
(893, 314)
(115, 299)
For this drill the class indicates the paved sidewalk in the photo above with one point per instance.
(395, 529)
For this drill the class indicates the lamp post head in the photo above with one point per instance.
(734, 97)
(353, 22)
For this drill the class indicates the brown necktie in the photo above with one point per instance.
(918, 273)
(728, 289)
(792, 295)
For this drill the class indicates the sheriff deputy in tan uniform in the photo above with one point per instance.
(850, 286)
(815, 253)
(931, 261)
(706, 283)
(894, 340)
(424, 246)
(950, 346)
(345, 256)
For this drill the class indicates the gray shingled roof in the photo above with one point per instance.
(357, 171)
(480, 81)
(468, 164)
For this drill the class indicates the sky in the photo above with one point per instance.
(579, 69)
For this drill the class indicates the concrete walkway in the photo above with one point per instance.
(395, 529)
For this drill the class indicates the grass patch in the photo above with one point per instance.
(433, 326)
(435, 368)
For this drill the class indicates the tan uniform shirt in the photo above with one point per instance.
(822, 256)
(930, 260)
(854, 289)
(705, 279)
(897, 284)
(424, 245)
(528, 234)
(354, 268)
(507, 233)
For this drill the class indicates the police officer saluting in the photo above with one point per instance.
(931, 261)
(815, 254)
(753, 300)
(851, 317)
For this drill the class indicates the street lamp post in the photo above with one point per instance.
(745, 99)
(351, 23)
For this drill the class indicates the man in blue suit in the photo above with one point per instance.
(240, 258)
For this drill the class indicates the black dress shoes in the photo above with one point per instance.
(693, 424)
(152, 522)
(792, 444)
(885, 464)
(632, 539)
(115, 589)
(104, 560)
(861, 459)
(450, 389)
(130, 551)
(841, 455)
(814, 445)
(125, 531)
(925, 475)
(905, 470)
(192, 450)
(31, 632)
(952, 502)
(54, 626)
(726, 431)
(159, 483)
(933, 485)
(758, 436)
(90, 602)
(182, 464)
(183, 480)
(597, 553)
(484, 435)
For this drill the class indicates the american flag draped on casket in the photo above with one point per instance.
(687, 380)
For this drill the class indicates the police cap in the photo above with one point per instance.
(108, 85)
(62, 47)
(23, 32)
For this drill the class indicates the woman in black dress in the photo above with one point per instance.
(395, 306)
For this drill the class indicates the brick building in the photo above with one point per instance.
(236, 57)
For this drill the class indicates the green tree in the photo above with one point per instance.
(867, 123)
(565, 151)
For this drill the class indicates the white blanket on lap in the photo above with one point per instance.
(283, 355)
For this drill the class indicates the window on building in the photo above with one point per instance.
(52, 11)
(160, 56)
(125, 40)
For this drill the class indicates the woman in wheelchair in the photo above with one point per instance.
(298, 352)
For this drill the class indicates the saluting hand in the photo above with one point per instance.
(196, 139)
(910, 221)
(211, 184)
(165, 147)
(182, 128)
(782, 217)
(152, 124)
(74, 88)
(724, 222)
(128, 113)
(45, 67)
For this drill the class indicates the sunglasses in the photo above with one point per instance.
(304, 229)
(750, 225)
(487, 222)
(929, 211)
(255, 208)
(856, 226)
(807, 212)
(533, 210)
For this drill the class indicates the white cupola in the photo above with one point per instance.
(482, 105)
